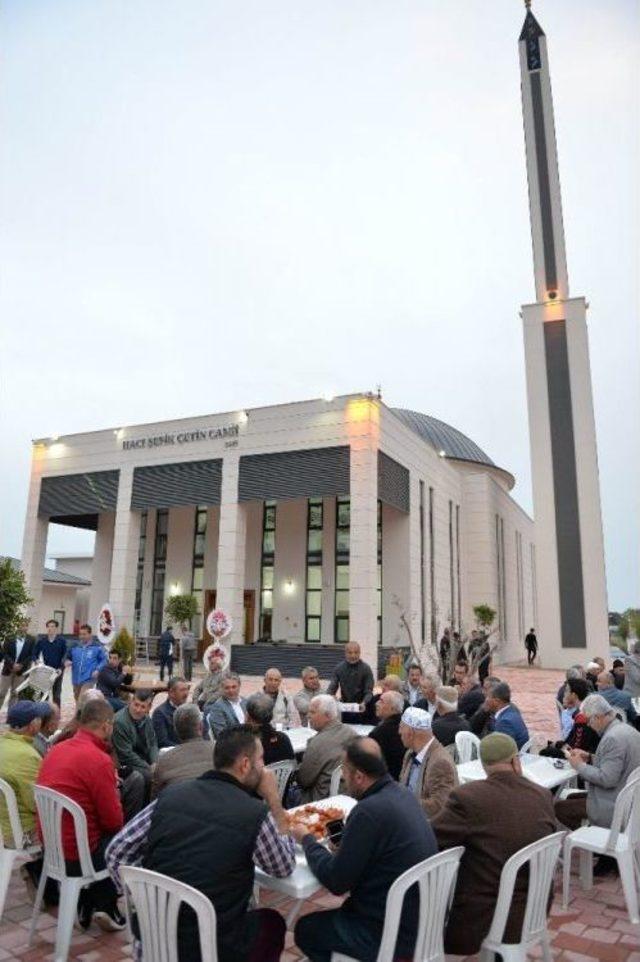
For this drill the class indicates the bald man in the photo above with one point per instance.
(354, 678)
(385, 834)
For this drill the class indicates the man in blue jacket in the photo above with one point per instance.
(385, 834)
(86, 659)
(506, 718)
(52, 648)
(162, 717)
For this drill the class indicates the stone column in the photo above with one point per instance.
(232, 538)
(124, 559)
(34, 546)
(363, 563)
(101, 566)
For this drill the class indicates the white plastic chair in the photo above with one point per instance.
(8, 856)
(621, 842)
(542, 858)
(436, 879)
(467, 747)
(41, 679)
(157, 900)
(336, 778)
(282, 770)
(51, 807)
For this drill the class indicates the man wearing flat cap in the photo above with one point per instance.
(428, 768)
(493, 818)
(20, 764)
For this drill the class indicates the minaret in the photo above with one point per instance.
(571, 587)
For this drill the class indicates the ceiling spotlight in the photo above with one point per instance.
(442, 453)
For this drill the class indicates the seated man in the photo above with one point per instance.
(162, 717)
(50, 725)
(388, 683)
(575, 671)
(428, 768)
(284, 710)
(82, 769)
(134, 739)
(580, 734)
(19, 766)
(429, 686)
(354, 678)
(492, 818)
(389, 708)
(276, 745)
(619, 699)
(411, 688)
(385, 835)
(192, 757)
(324, 752)
(230, 709)
(470, 697)
(506, 717)
(310, 688)
(208, 690)
(245, 831)
(606, 773)
(446, 723)
(481, 720)
(110, 679)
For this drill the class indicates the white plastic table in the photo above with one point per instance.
(362, 729)
(302, 883)
(300, 738)
(536, 768)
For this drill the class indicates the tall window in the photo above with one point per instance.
(159, 570)
(379, 538)
(452, 587)
(432, 569)
(266, 569)
(520, 584)
(197, 567)
(313, 611)
(502, 593)
(343, 534)
(422, 559)
(142, 545)
(458, 567)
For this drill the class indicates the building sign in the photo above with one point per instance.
(181, 437)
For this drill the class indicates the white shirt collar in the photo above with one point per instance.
(498, 713)
(420, 757)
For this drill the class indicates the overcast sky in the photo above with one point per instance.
(216, 204)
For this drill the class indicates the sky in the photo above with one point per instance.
(207, 205)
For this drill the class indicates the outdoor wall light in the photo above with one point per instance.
(442, 453)
(289, 586)
(243, 417)
(175, 588)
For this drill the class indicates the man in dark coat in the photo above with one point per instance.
(389, 708)
(492, 818)
(166, 651)
(354, 678)
(448, 722)
(52, 648)
(162, 717)
(531, 644)
(276, 745)
(16, 655)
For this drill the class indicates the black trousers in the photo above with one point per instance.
(101, 896)
(56, 691)
(166, 661)
(531, 655)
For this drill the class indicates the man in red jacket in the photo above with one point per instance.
(82, 769)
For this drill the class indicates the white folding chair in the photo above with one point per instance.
(157, 900)
(336, 778)
(8, 856)
(467, 747)
(40, 678)
(282, 770)
(542, 858)
(621, 842)
(436, 879)
(51, 808)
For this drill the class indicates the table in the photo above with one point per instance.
(300, 738)
(538, 769)
(362, 729)
(302, 883)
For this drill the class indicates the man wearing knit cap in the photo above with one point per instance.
(447, 722)
(492, 818)
(428, 769)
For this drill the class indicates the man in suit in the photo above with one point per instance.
(619, 699)
(52, 648)
(428, 768)
(230, 709)
(492, 818)
(531, 644)
(447, 722)
(604, 773)
(162, 717)
(166, 651)
(324, 752)
(428, 686)
(411, 688)
(17, 655)
(506, 717)
(389, 708)
(192, 757)
(470, 697)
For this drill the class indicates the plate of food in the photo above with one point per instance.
(315, 817)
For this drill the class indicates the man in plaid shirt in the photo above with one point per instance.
(209, 833)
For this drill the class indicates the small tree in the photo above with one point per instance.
(14, 598)
(182, 608)
(125, 646)
(634, 622)
(624, 628)
(485, 616)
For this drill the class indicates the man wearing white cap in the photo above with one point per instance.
(428, 769)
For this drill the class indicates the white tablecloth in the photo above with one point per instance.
(300, 737)
(536, 768)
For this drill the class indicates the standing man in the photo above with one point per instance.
(166, 648)
(445, 655)
(385, 834)
(188, 647)
(412, 690)
(284, 710)
(310, 688)
(86, 659)
(52, 648)
(428, 768)
(354, 678)
(162, 717)
(531, 644)
(17, 655)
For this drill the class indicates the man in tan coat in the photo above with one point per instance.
(493, 818)
(192, 757)
(324, 752)
(428, 768)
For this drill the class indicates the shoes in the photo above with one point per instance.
(111, 921)
(605, 866)
(83, 917)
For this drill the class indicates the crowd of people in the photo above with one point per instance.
(146, 780)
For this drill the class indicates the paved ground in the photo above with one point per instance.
(595, 929)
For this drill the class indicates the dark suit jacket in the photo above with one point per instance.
(511, 722)
(9, 655)
(493, 818)
(446, 727)
(470, 702)
(388, 738)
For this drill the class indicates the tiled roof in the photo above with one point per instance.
(55, 576)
